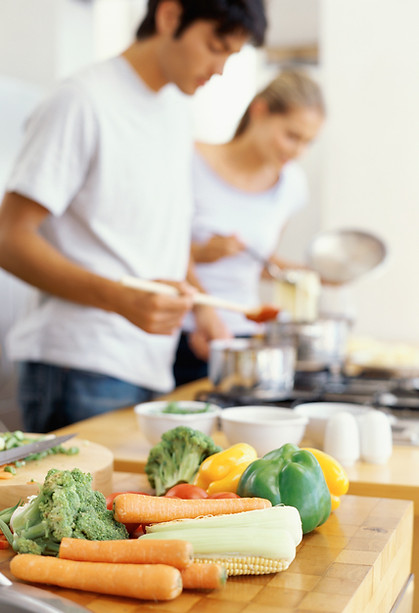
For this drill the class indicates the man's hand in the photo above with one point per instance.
(156, 313)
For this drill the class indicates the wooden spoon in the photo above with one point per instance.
(259, 315)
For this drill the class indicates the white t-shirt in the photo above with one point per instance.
(111, 160)
(257, 218)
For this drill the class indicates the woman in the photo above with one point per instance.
(245, 192)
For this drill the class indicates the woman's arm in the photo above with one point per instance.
(209, 326)
(27, 255)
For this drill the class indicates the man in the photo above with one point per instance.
(101, 189)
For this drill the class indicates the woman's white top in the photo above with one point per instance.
(111, 160)
(256, 218)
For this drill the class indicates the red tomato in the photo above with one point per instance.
(224, 495)
(186, 491)
(3, 542)
(139, 531)
(111, 497)
(131, 528)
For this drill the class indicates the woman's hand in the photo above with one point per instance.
(217, 247)
(209, 327)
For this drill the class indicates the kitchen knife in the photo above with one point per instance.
(17, 453)
(22, 598)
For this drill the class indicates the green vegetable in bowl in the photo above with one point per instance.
(173, 407)
(177, 457)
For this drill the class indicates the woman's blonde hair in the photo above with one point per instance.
(292, 89)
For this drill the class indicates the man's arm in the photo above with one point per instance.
(27, 255)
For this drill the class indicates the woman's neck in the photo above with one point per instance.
(239, 163)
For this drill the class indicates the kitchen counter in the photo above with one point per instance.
(119, 431)
(359, 560)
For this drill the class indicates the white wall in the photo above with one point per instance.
(23, 36)
(45, 40)
(370, 66)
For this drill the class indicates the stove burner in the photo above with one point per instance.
(224, 401)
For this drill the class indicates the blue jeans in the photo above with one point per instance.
(187, 366)
(51, 397)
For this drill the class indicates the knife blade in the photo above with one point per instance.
(17, 453)
(21, 597)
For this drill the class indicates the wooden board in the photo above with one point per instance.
(92, 458)
(358, 561)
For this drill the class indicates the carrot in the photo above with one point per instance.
(4, 474)
(175, 553)
(144, 581)
(154, 509)
(202, 576)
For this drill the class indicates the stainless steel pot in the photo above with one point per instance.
(319, 344)
(252, 368)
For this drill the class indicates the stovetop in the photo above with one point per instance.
(325, 386)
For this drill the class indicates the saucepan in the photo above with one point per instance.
(252, 368)
(319, 344)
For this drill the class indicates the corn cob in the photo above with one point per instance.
(246, 565)
(251, 542)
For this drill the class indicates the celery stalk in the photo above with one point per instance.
(272, 533)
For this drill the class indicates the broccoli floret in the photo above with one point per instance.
(66, 506)
(100, 524)
(177, 457)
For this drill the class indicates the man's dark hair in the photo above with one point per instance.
(230, 16)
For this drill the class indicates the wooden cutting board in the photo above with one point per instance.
(357, 562)
(92, 458)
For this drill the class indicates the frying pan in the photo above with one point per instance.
(342, 256)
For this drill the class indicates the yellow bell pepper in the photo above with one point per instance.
(221, 471)
(334, 474)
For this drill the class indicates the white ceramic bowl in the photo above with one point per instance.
(153, 422)
(265, 428)
(318, 414)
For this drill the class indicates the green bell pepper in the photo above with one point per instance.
(291, 476)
